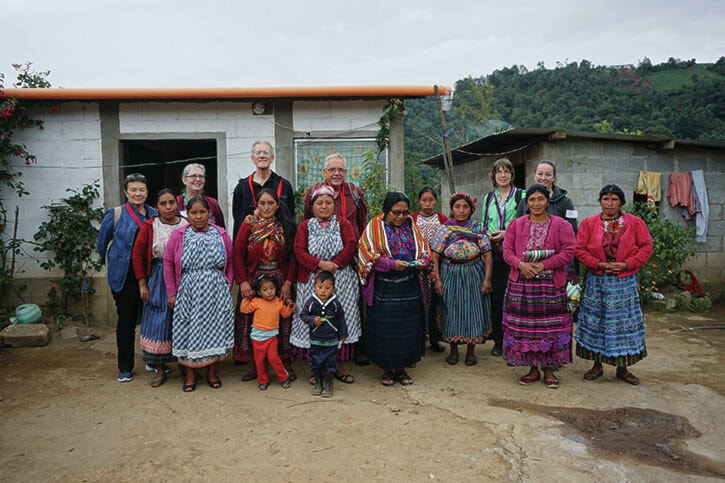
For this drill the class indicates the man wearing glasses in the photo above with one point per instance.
(349, 199)
(247, 191)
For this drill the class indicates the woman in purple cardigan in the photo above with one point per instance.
(199, 273)
(536, 322)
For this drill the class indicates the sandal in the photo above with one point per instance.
(263, 387)
(158, 379)
(527, 380)
(629, 378)
(551, 382)
(214, 384)
(311, 380)
(346, 378)
(471, 361)
(188, 387)
(388, 379)
(292, 375)
(403, 378)
(287, 383)
(452, 359)
(591, 374)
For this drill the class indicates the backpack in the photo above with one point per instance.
(518, 194)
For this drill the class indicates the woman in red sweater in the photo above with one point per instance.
(264, 246)
(613, 246)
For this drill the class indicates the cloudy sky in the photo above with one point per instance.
(183, 43)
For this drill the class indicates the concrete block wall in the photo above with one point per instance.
(344, 117)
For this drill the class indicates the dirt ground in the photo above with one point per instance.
(64, 417)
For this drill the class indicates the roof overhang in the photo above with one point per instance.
(226, 93)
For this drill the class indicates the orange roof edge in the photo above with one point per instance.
(224, 93)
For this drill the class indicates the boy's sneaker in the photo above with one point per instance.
(124, 377)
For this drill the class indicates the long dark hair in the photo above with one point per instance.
(283, 216)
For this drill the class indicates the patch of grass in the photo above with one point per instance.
(673, 80)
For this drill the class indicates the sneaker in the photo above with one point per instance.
(124, 377)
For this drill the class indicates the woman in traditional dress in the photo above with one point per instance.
(613, 246)
(391, 253)
(264, 245)
(118, 229)
(147, 256)
(462, 265)
(199, 273)
(326, 242)
(536, 320)
(500, 208)
(428, 221)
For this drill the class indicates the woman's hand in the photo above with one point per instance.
(527, 269)
(438, 286)
(538, 266)
(616, 268)
(329, 266)
(143, 290)
(246, 290)
(486, 287)
(496, 237)
(400, 265)
(284, 293)
(171, 301)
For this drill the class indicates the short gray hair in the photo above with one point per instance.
(271, 148)
(190, 166)
(336, 155)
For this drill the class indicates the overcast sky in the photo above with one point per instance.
(187, 43)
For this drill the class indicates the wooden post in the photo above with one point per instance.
(447, 158)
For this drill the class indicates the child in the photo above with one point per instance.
(324, 314)
(267, 310)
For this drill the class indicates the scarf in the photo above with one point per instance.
(264, 231)
(468, 231)
(373, 245)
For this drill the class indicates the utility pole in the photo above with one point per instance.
(447, 158)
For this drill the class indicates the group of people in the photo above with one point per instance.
(339, 287)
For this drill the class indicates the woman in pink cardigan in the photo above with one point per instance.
(613, 246)
(199, 273)
(536, 321)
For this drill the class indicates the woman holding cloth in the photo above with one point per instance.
(326, 242)
(613, 246)
(199, 273)
(391, 252)
(536, 321)
(147, 256)
(462, 266)
(264, 246)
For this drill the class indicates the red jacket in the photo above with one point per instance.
(635, 245)
(141, 255)
(307, 264)
(246, 259)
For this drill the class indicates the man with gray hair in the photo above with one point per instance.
(194, 179)
(247, 191)
(349, 199)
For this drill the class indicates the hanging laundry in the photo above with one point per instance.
(701, 218)
(649, 185)
(680, 191)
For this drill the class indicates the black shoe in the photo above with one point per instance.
(327, 386)
(361, 359)
(317, 390)
(496, 350)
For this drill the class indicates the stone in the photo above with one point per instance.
(683, 299)
(69, 333)
(25, 335)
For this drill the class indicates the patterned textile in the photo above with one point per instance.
(401, 241)
(610, 328)
(156, 320)
(611, 236)
(461, 241)
(203, 320)
(535, 256)
(428, 225)
(243, 350)
(394, 334)
(373, 244)
(325, 243)
(465, 312)
(536, 322)
(266, 231)
(162, 232)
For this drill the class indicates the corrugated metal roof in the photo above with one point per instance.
(514, 139)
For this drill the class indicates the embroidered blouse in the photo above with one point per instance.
(401, 241)
(611, 236)
(461, 241)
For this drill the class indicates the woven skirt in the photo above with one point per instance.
(610, 328)
(156, 320)
(465, 312)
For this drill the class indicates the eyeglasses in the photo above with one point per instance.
(400, 212)
(196, 176)
(262, 153)
(336, 170)
(135, 177)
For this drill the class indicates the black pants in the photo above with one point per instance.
(499, 280)
(128, 307)
(323, 359)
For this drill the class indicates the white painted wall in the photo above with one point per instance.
(337, 116)
(68, 152)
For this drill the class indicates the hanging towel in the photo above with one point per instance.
(680, 191)
(701, 218)
(649, 184)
